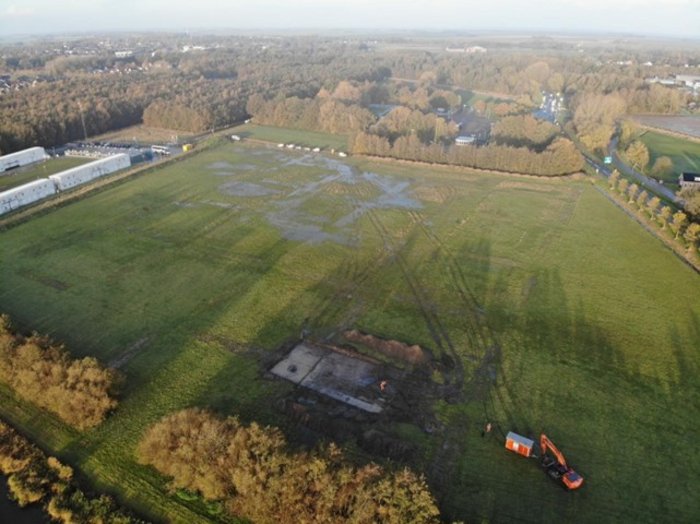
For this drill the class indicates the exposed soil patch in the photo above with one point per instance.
(413, 354)
(348, 396)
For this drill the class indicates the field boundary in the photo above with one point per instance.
(473, 170)
(649, 229)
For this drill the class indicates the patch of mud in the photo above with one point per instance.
(413, 354)
(246, 189)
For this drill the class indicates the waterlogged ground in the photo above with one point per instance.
(321, 205)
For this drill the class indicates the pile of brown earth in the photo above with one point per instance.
(413, 354)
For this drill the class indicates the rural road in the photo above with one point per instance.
(644, 181)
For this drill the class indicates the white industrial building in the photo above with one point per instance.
(22, 158)
(81, 174)
(25, 194)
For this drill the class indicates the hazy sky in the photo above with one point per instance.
(665, 17)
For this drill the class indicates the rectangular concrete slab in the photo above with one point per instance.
(336, 375)
(299, 362)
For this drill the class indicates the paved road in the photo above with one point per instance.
(644, 181)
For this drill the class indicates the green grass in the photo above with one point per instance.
(685, 154)
(598, 324)
(20, 176)
(295, 136)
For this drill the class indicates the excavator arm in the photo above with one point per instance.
(548, 445)
(561, 470)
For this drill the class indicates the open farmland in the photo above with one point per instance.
(532, 296)
(22, 175)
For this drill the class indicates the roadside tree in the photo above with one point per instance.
(692, 236)
(665, 215)
(680, 221)
(638, 155)
(691, 199)
(632, 192)
(614, 178)
(622, 186)
(653, 205)
(642, 199)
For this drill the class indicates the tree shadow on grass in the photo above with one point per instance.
(149, 374)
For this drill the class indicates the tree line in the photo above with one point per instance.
(80, 391)
(560, 158)
(249, 469)
(210, 88)
(685, 232)
(34, 478)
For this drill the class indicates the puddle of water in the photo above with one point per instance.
(224, 205)
(220, 165)
(289, 216)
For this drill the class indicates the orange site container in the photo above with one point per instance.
(519, 444)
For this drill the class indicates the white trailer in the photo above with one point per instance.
(82, 174)
(25, 194)
(22, 158)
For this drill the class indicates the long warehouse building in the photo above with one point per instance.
(22, 158)
(81, 174)
(25, 194)
(38, 189)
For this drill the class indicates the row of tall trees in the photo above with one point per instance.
(80, 391)
(34, 478)
(251, 471)
(560, 158)
(678, 223)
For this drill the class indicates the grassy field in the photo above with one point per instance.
(295, 136)
(685, 154)
(25, 174)
(562, 313)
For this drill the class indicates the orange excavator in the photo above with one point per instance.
(553, 460)
(556, 466)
